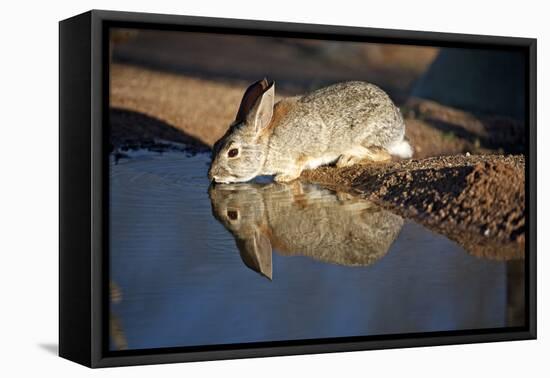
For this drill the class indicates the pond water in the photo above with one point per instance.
(194, 265)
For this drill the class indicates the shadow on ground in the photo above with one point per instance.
(52, 348)
(131, 130)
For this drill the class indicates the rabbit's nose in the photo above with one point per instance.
(212, 176)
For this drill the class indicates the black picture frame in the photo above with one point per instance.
(83, 196)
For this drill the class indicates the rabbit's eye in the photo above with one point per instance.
(233, 152)
(232, 214)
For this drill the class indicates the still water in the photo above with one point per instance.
(192, 265)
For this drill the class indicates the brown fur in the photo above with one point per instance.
(276, 243)
(280, 111)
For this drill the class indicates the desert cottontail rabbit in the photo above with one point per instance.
(343, 123)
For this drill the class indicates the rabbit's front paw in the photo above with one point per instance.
(287, 177)
(347, 161)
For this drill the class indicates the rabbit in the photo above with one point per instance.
(343, 123)
(302, 219)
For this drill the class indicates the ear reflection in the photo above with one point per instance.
(302, 219)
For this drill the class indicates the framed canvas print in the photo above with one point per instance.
(234, 188)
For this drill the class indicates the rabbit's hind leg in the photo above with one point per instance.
(378, 154)
(362, 155)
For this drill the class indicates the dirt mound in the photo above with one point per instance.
(491, 186)
(478, 201)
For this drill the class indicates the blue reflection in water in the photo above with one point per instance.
(183, 282)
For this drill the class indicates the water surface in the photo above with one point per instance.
(193, 265)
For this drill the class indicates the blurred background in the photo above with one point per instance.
(186, 86)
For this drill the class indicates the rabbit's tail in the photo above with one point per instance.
(401, 149)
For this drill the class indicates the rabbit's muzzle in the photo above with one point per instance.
(217, 174)
(212, 176)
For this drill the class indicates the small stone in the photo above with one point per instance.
(487, 232)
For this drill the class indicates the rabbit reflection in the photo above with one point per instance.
(302, 219)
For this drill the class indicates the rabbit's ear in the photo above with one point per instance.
(256, 253)
(257, 105)
(260, 115)
(251, 95)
